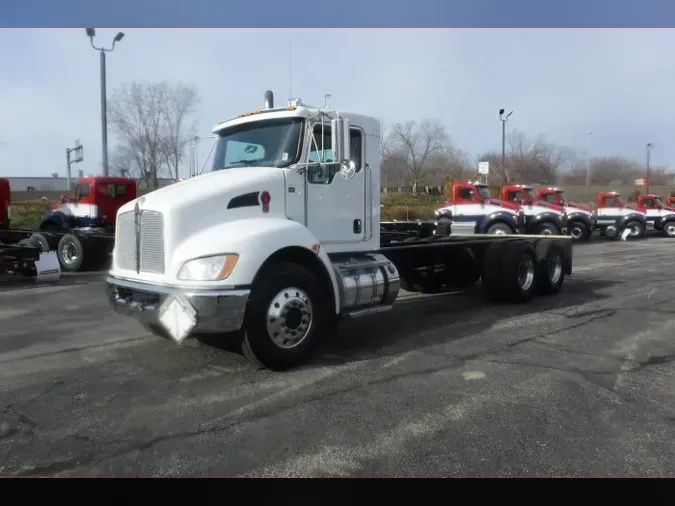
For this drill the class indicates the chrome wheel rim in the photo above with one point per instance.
(576, 233)
(69, 253)
(526, 273)
(634, 231)
(554, 269)
(289, 318)
(499, 231)
(547, 231)
(670, 229)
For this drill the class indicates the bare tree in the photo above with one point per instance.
(416, 142)
(149, 121)
(181, 102)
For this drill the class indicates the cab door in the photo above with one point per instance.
(335, 202)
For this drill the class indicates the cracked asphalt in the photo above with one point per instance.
(579, 384)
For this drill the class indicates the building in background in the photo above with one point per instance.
(51, 184)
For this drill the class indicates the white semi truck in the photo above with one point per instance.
(282, 238)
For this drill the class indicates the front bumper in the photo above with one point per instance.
(216, 310)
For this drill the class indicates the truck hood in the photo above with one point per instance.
(201, 202)
(578, 206)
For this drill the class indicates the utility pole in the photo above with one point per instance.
(588, 160)
(91, 33)
(78, 150)
(647, 175)
(504, 119)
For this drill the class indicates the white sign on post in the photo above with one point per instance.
(484, 168)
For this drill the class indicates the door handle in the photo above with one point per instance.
(357, 226)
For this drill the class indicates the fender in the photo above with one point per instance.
(254, 240)
(670, 218)
(621, 222)
(59, 217)
(544, 217)
(580, 217)
(508, 218)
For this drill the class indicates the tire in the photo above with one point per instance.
(502, 272)
(500, 229)
(579, 232)
(491, 274)
(29, 243)
(464, 272)
(49, 226)
(638, 229)
(41, 240)
(547, 229)
(70, 253)
(669, 229)
(292, 288)
(551, 272)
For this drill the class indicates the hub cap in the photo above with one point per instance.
(526, 272)
(554, 269)
(670, 229)
(634, 230)
(499, 231)
(69, 252)
(289, 318)
(576, 233)
(547, 231)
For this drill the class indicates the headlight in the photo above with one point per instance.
(214, 268)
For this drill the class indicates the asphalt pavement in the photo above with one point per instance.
(579, 384)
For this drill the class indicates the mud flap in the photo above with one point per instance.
(624, 235)
(48, 268)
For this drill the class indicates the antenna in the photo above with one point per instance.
(290, 69)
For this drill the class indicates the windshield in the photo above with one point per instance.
(267, 143)
(484, 192)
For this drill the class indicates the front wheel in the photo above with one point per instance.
(547, 229)
(669, 229)
(579, 232)
(286, 318)
(500, 229)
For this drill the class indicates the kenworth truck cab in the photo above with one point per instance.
(580, 224)
(541, 217)
(660, 218)
(474, 211)
(614, 218)
(93, 204)
(282, 238)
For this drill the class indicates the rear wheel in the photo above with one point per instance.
(510, 272)
(286, 318)
(637, 229)
(70, 252)
(551, 272)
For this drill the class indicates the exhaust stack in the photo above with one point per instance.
(269, 99)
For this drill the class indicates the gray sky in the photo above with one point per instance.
(560, 83)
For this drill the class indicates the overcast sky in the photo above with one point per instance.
(619, 84)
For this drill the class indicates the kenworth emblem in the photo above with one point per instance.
(137, 223)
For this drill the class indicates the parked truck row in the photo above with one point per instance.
(546, 212)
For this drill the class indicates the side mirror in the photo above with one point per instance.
(348, 169)
(339, 131)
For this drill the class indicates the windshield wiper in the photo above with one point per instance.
(246, 162)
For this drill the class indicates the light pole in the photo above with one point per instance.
(91, 33)
(588, 160)
(504, 119)
(647, 182)
(325, 99)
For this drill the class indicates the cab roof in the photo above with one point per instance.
(105, 180)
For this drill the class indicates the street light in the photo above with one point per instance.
(325, 99)
(588, 160)
(504, 119)
(647, 182)
(91, 33)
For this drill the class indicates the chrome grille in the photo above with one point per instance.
(152, 242)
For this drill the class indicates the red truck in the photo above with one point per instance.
(660, 217)
(5, 201)
(81, 228)
(542, 218)
(613, 217)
